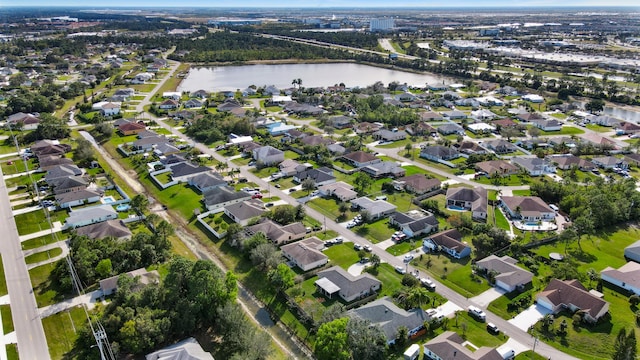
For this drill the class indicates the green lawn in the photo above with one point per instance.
(396, 144)
(24, 180)
(501, 220)
(376, 231)
(521, 192)
(412, 170)
(3, 281)
(342, 255)
(61, 331)
(7, 320)
(288, 154)
(241, 161)
(403, 247)
(182, 197)
(164, 177)
(36, 221)
(264, 172)
(42, 256)
(390, 278)
(329, 207)
(453, 273)
(45, 293)
(566, 130)
(17, 166)
(599, 128)
(12, 352)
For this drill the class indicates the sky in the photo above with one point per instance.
(319, 3)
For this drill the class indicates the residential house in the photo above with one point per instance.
(417, 184)
(340, 122)
(131, 128)
(474, 200)
(320, 176)
(627, 128)
(49, 147)
(573, 296)
(188, 349)
(110, 228)
(384, 169)
(336, 280)
(128, 92)
(90, 215)
(110, 285)
(69, 184)
(336, 149)
(169, 104)
(206, 181)
(360, 158)
(193, 104)
(366, 127)
(389, 135)
(163, 149)
(60, 172)
(438, 153)
(244, 211)
(389, 317)
(605, 120)
(626, 277)
(270, 91)
(278, 234)
(449, 346)
(305, 254)
(527, 117)
(454, 115)
(315, 140)
(25, 121)
(472, 148)
(421, 128)
(221, 196)
(483, 114)
(376, 208)
(503, 123)
(506, 274)
(279, 128)
(633, 159)
(610, 162)
(148, 143)
(341, 190)
(499, 167)
(632, 252)
(414, 222)
(481, 128)
(547, 125)
(229, 105)
(534, 98)
(566, 162)
(448, 241)
(268, 155)
(450, 128)
(107, 108)
(47, 162)
(430, 116)
(500, 146)
(290, 167)
(527, 208)
(200, 94)
(75, 198)
(173, 95)
(534, 166)
(181, 172)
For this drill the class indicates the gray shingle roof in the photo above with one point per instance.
(349, 285)
(385, 314)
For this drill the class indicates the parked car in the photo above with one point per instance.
(292, 190)
(364, 260)
(278, 186)
(407, 258)
(367, 248)
(493, 329)
(242, 180)
(400, 270)
(315, 193)
(269, 204)
(308, 229)
(256, 196)
(338, 240)
(357, 247)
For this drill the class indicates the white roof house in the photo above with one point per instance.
(481, 128)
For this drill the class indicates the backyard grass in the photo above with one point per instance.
(264, 172)
(164, 177)
(390, 278)
(61, 331)
(24, 180)
(475, 331)
(342, 255)
(17, 166)
(396, 144)
(182, 197)
(45, 293)
(241, 161)
(42, 256)
(453, 273)
(501, 220)
(412, 170)
(36, 221)
(376, 231)
(7, 320)
(598, 128)
(329, 207)
(566, 130)
(288, 154)
(3, 281)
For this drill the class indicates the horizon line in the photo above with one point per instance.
(318, 6)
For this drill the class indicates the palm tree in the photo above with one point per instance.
(417, 296)
(308, 184)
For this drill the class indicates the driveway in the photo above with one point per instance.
(527, 318)
(483, 300)
(385, 244)
(356, 269)
(448, 309)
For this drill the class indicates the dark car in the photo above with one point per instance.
(242, 180)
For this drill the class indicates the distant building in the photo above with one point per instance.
(188, 349)
(384, 24)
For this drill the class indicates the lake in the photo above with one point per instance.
(225, 78)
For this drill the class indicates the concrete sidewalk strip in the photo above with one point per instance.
(65, 252)
(90, 299)
(5, 300)
(57, 227)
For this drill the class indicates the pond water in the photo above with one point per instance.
(619, 112)
(231, 78)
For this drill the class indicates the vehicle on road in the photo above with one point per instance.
(269, 204)
(426, 282)
(407, 258)
(357, 247)
(493, 329)
(367, 248)
(278, 186)
(477, 313)
(401, 270)
(256, 196)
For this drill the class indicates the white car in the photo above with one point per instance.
(400, 269)
(407, 258)
(428, 283)
(367, 248)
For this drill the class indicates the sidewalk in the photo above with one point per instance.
(57, 227)
(60, 244)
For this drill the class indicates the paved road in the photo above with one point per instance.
(509, 329)
(32, 344)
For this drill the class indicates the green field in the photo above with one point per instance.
(61, 331)
(45, 292)
(3, 281)
(36, 221)
(42, 256)
(7, 320)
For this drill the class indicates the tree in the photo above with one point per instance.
(83, 154)
(343, 207)
(534, 132)
(139, 204)
(375, 261)
(104, 130)
(308, 184)
(509, 132)
(265, 256)
(408, 148)
(104, 268)
(51, 127)
(282, 277)
(417, 296)
(365, 340)
(164, 229)
(595, 105)
(332, 341)
(625, 345)
(362, 182)
(402, 335)
(234, 233)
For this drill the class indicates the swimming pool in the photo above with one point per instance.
(456, 208)
(123, 207)
(532, 224)
(108, 200)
